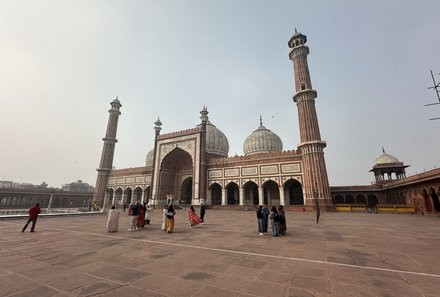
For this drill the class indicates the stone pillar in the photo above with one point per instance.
(241, 194)
(260, 196)
(282, 196)
(142, 196)
(224, 201)
(208, 197)
(123, 197)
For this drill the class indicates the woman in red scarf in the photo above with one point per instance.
(194, 219)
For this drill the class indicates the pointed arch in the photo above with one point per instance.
(250, 193)
(216, 194)
(175, 167)
(137, 194)
(338, 199)
(271, 193)
(118, 196)
(109, 196)
(372, 201)
(232, 193)
(435, 199)
(147, 194)
(360, 199)
(294, 192)
(128, 195)
(349, 199)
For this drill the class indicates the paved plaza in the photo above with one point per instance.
(343, 255)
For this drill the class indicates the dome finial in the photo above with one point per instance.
(204, 114)
(157, 126)
(295, 30)
(383, 150)
(261, 120)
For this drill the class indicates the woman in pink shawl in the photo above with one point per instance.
(194, 219)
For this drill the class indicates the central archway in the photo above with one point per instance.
(175, 170)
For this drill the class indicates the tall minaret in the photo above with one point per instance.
(315, 181)
(203, 182)
(108, 150)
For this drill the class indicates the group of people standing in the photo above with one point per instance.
(140, 216)
(277, 218)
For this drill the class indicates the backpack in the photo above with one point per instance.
(276, 217)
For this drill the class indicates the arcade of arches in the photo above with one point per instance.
(424, 199)
(250, 194)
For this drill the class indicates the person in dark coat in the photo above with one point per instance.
(33, 215)
(283, 226)
(202, 213)
(265, 213)
(260, 219)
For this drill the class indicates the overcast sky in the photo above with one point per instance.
(63, 62)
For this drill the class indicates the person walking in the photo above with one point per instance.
(260, 219)
(164, 217)
(133, 211)
(282, 214)
(275, 219)
(113, 220)
(170, 218)
(265, 213)
(193, 218)
(33, 215)
(202, 213)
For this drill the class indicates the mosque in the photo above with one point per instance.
(192, 166)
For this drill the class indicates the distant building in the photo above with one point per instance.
(78, 186)
(13, 185)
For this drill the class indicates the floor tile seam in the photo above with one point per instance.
(105, 279)
(247, 253)
(42, 284)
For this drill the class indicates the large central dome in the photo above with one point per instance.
(262, 140)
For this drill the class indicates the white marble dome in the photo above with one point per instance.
(216, 141)
(386, 159)
(262, 140)
(149, 158)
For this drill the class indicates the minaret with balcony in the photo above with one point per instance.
(108, 150)
(315, 180)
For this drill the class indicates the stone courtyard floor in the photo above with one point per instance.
(343, 255)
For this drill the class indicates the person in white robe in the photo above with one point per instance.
(164, 218)
(113, 220)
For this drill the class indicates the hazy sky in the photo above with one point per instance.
(63, 62)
